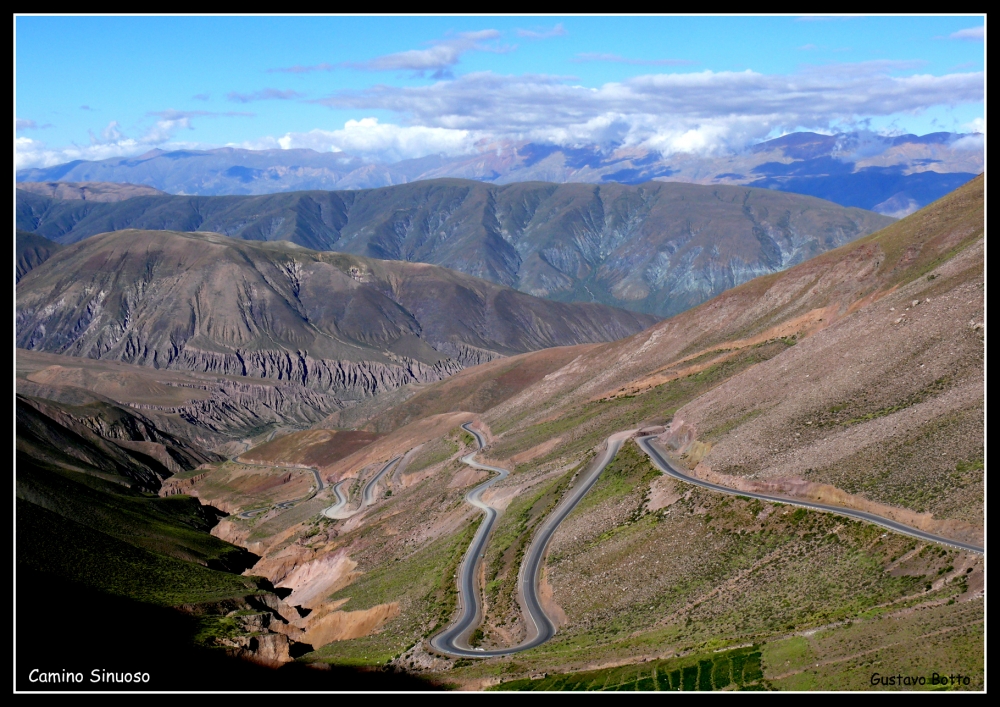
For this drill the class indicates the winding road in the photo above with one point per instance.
(337, 512)
(659, 460)
(367, 494)
(454, 640)
(342, 498)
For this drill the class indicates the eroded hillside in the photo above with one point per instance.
(328, 327)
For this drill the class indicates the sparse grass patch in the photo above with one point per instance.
(424, 585)
(585, 426)
(695, 673)
(434, 452)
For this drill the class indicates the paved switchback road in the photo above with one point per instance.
(337, 510)
(454, 640)
(367, 495)
(660, 460)
(341, 496)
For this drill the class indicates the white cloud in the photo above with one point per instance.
(35, 153)
(170, 121)
(976, 125)
(975, 142)
(557, 31)
(972, 143)
(970, 34)
(112, 142)
(369, 139)
(24, 124)
(700, 111)
(437, 59)
(267, 94)
(111, 133)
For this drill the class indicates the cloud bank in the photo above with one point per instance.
(369, 139)
(112, 141)
(677, 112)
(704, 112)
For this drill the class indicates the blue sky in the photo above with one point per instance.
(395, 88)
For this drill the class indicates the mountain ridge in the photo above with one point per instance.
(890, 174)
(657, 248)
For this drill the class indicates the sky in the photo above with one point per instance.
(393, 88)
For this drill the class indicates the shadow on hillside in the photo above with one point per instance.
(66, 627)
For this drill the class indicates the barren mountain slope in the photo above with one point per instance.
(222, 413)
(31, 250)
(626, 379)
(89, 191)
(93, 533)
(336, 324)
(655, 247)
(841, 346)
(648, 568)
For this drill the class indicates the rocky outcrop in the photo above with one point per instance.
(345, 625)
(187, 486)
(353, 379)
(270, 649)
(235, 407)
(260, 628)
(466, 356)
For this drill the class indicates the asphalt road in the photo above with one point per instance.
(338, 492)
(367, 495)
(454, 640)
(659, 459)
(336, 511)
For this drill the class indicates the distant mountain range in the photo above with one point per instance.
(657, 248)
(891, 175)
